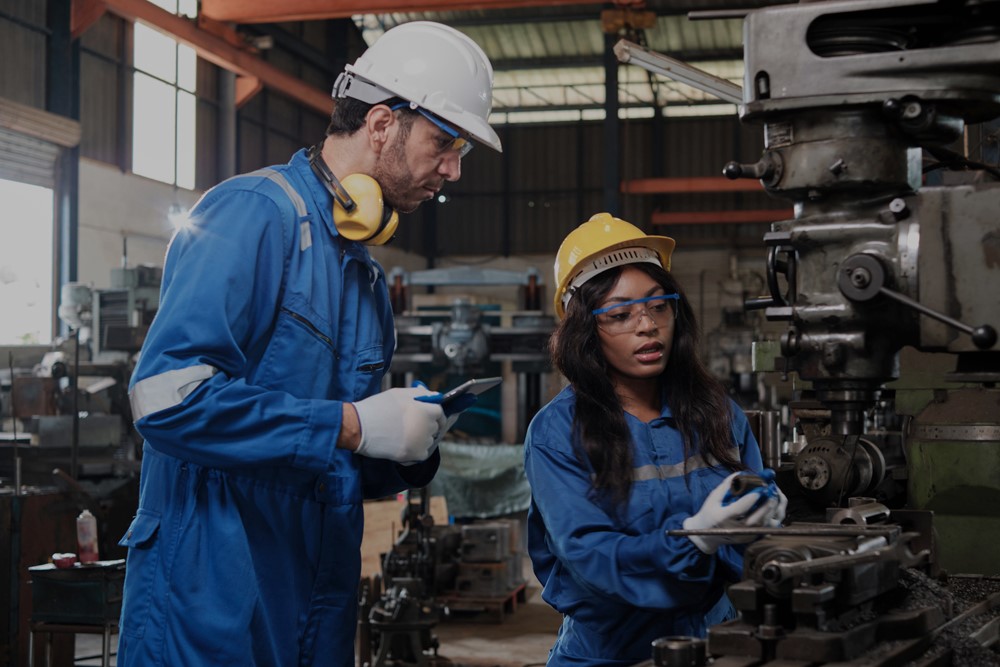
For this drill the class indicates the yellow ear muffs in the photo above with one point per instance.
(359, 213)
(370, 221)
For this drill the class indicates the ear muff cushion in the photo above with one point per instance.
(365, 220)
(388, 229)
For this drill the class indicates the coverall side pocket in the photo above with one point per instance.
(140, 571)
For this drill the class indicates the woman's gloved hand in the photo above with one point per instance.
(743, 512)
(397, 427)
(778, 515)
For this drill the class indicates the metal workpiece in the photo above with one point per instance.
(861, 511)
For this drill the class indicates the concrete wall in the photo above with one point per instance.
(121, 209)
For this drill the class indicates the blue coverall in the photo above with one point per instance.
(246, 547)
(619, 581)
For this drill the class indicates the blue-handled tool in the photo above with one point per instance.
(461, 397)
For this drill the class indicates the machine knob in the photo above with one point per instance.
(768, 169)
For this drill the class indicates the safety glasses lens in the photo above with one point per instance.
(625, 317)
(459, 143)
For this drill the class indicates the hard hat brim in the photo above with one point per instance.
(475, 126)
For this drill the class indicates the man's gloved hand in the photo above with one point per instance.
(740, 513)
(398, 428)
(452, 409)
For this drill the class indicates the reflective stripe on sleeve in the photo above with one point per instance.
(168, 389)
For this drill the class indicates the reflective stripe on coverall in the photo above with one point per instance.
(621, 582)
(246, 546)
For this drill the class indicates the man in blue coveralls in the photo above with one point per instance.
(257, 389)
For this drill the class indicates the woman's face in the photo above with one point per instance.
(642, 353)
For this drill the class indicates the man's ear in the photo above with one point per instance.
(378, 122)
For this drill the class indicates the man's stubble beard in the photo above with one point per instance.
(393, 177)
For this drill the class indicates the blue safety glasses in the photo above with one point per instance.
(458, 143)
(624, 317)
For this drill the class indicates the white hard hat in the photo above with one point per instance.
(431, 65)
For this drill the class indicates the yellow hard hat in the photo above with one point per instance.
(602, 243)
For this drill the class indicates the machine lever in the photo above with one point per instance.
(862, 277)
(984, 336)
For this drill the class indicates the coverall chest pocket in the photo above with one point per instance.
(300, 356)
(140, 570)
(368, 371)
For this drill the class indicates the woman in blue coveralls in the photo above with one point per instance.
(258, 387)
(642, 441)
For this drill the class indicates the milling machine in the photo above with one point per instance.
(852, 94)
(464, 338)
(887, 279)
(894, 250)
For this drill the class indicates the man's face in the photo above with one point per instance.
(416, 164)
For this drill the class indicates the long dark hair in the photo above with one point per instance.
(699, 402)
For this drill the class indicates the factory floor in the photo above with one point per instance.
(523, 638)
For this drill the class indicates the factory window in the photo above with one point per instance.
(163, 114)
(26, 266)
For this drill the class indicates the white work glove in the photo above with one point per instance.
(452, 410)
(713, 514)
(778, 515)
(398, 428)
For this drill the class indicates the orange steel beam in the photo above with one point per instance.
(246, 88)
(720, 217)
(269, 11)
(221, 52)
(83, 14)
(655, 186)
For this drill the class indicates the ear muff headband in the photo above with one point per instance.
(358, 210)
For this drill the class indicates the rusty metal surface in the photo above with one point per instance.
(39, 524)
(35, 396)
